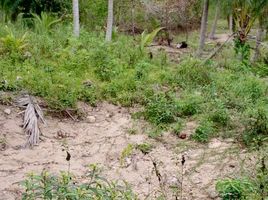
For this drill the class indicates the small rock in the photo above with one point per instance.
(91, 119)
(7, 111)
(173, 182)
(231, 165)
(182, 136)
(109, 115)
(128, 162)
(87, 83)
(212, 194)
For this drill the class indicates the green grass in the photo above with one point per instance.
(64, 70)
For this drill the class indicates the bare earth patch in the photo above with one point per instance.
(101, 138)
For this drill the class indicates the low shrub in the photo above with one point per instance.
(234, 189)
(204, 131)
(65, 186)
(256, 123)
(161, 109)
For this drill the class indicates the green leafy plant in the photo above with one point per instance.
(44, 22)
(127, 151)
(190, 104)
(161, 109)
(147, 38)
(256, 132)
(219, 114)
(234, 189)
(177, 128)
(145, 148)
(47, 186)
(242, 50)
(191, 74)
(12, 43)
(204, 131)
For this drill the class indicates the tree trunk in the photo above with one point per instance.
(133, 17)
(109, 28)
(203, 27)
(212, 34)
(258, 43)
(76, 25)
(231, 24)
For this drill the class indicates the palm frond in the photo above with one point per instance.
(147, 39)
(33, 114)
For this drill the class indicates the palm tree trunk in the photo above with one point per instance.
(76, 25)
(133, 17)
(109, 21)
(203, 27)
(231, 24)
(212, 34)
(258, 43)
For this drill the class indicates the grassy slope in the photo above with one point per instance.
(224, 95)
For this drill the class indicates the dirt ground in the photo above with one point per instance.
(100, 138)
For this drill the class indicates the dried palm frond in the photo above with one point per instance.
(32, 114)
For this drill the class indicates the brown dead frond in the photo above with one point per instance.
(32, 115)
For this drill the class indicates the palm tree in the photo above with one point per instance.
(246, 12)
(76, 25)
(109, 28)
(217, 12)
(203, 27)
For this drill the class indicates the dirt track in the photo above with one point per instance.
(102, 141)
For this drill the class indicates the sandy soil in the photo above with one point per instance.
(102, 141)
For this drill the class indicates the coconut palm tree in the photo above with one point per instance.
(76, 25)
(109, 28)
(203, 27)
(217, 14)
(246, 12)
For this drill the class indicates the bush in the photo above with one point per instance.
(190, 104)
(161, 109)
(204, 131)
(234, 189)
(177, 128)
(103, 63)
(256, 123)
(218, 113)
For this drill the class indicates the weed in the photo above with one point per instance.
(234, 188)
(155, 133)
(13, 45)
(204, 131)
(191, 74)
(177, 128)
(145, 148)
(189, 104)
(126, 153)
(256, 123)
(161, 109)
(44, 23)
(132, 131)
(219, 114)
(47, 186)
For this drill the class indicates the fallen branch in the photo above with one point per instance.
(218, 49)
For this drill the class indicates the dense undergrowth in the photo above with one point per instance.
(227, 97)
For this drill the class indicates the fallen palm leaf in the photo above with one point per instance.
(32, 115)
